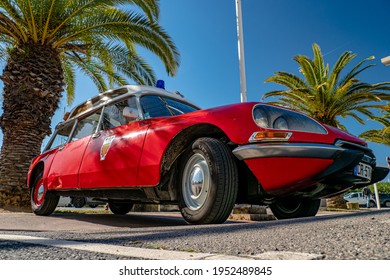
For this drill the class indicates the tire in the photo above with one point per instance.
(92, 205)
(386, 203)
(372, 203)
(78, 202)
(295, 209)
(43, 202)
(120, 208)
(208, 182)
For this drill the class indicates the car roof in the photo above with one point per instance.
(112, 95)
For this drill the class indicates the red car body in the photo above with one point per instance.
(142, 161)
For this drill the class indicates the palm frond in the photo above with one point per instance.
(357, 70)
(307, 69)
(377, 136)
(97, 37)
(70, 80)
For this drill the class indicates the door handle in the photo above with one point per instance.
(96, 135)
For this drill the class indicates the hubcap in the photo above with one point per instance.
(41, 192)
(196, 182)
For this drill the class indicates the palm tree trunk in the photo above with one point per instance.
(33, 83)
(20, 144)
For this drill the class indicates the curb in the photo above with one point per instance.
(251, 213)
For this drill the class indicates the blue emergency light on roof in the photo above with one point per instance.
(160, 84)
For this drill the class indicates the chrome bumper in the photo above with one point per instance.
(287, 150)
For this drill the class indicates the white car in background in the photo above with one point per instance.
(64, 201)
(78, 202)
(358, 197)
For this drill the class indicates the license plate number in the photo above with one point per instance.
(363, 170)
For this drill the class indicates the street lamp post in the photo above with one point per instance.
(386, 61)
(241, 58)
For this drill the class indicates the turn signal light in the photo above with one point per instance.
(270, 136)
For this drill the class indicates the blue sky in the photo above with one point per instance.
(275, 31)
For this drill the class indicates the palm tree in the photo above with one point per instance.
(326, 95)
(44, 43)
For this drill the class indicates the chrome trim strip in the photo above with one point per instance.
(340, 143)
(287, 150)
(369, 157)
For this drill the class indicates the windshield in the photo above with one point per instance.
(157, 106)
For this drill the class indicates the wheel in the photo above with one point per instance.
(372, 203)
(120, 208)
(387, 203)
(92, 205)
(43, 202)
(289, 209)
(78, 202)
(208, 182)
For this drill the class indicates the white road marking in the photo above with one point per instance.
(284, 255)
(151, 254)
(133, 252)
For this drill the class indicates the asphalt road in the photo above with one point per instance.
(72, 236)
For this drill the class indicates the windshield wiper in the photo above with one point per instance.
(175, 109)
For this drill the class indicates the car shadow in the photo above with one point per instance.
(139, 229)
(165, 223)
(130, 220)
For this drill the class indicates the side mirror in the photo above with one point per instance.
(130, 113)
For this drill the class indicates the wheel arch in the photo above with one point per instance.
(38, 168)
(184, 138)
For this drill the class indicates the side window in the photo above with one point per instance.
(130, 111)
(120, 113)
(61, 136)
(86, 126)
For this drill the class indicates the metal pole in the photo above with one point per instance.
(241, 57)
(386, 61)
(378, 203)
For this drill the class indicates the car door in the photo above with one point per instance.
(64, 171)
(112, 156)
(361, 199)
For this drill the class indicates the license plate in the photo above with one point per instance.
(363, 170)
